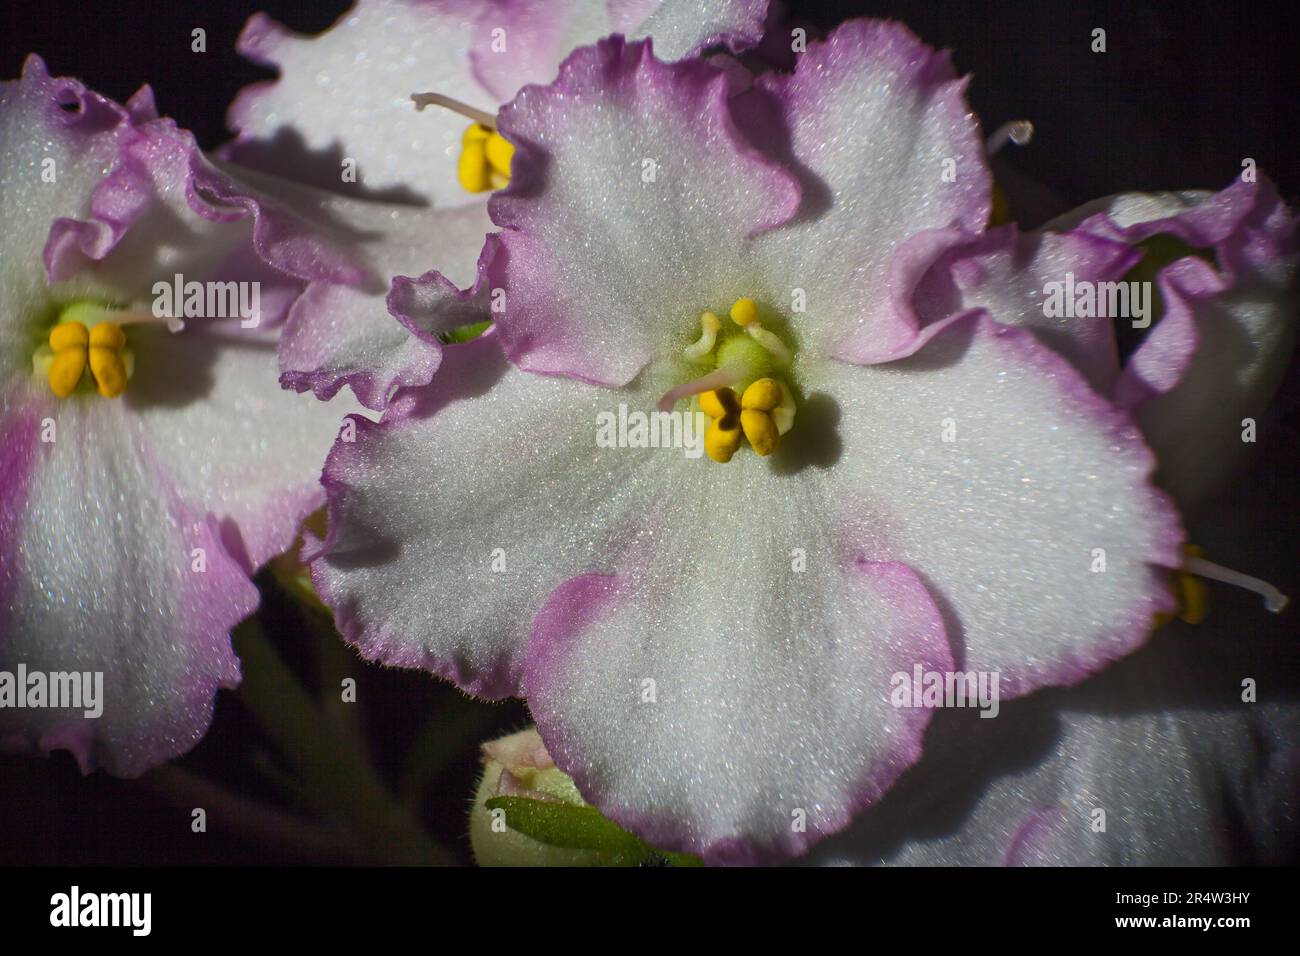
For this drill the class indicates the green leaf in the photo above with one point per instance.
(582, 828)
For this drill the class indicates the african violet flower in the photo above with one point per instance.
(708, 648)
(145, 473)
(1225, 266)
(341, 118)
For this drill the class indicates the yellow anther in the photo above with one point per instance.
(743, 395)
(719, 403)
(744, 311)
(68, 335)
(473, 170)
(109, 371)
(68, 341)
(1000, 213)
(721, 439)
(107, 335)
(760, 430)
(1193, 603)
(763, 395)
(499, 153)
(484, 159)
(1192, 595)
(66, 369)
(763, 414)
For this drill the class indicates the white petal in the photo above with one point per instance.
(346, 334)
(683, 27)
(1006, 521)
(237, 444)
(105, 579)
(451, 521)
(346, 95)
(717, 701)
(51, 161)
(878, 127)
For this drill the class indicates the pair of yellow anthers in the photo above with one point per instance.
(485, 154)
(484, 159)
(764, 411)
(755, 415)
(102, 347)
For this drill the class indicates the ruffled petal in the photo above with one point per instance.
(684, 28)
(1198, 218)
(630, 202)
(1185, 772)
(988, 465)
(346, 95)
(209, 397)
(128, 527)
(488, 532)
(349, 335)
(1244, 330)
(503, 494)
(1009, 274)
(341, 335)
(1188, 772)
(521, 42)
(49, 127)
(1161, 361)
(518, 42)
(1000, 533)
(717, 704)
(877, 126)
(191, 219)
(106, 579)
(170, 212)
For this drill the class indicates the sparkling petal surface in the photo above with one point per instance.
(683, 27)
(727, 721)
(104, 580)
(346, 94)
(630, 202)
(128, 527)
(231, 439)
(519, 42)
(1003, 521)
(77, 146)
(1187, 773)
(1008, 274)
(877, 125)
(345, 334)
(453, 587)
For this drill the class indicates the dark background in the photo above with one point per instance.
(1186, 89)
(1184, 92)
